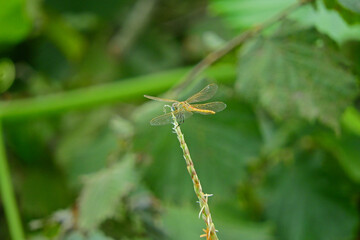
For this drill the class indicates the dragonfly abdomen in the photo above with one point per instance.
(202, 111)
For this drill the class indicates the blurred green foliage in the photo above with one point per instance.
(282, 160)
(16, 22)
(284, 69)
(7, 74)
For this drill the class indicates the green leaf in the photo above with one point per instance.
(7, 74)
(276, 135)
(352, 5)
(93, 235)
(39, 132)
(14, 22)
(220, 146)
(71, 43)
(243, 14)
(87, 144)
(184, 223)
(294, 74)
(106, 12)
(42, 191)
(307, 201)
(351, 120)
(331, 22)
(103, 190)
(75, 236)
(350, 16)
(346, 149)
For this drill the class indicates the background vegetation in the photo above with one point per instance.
(283, 160)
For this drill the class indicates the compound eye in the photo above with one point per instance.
(175, 105)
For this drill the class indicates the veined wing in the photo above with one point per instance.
(159, 99)
(166, 118)
(205, 94)
(212, 106)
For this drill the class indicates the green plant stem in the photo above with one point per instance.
(236, 42)
(126, 89)
(7, 195)
(210, 231)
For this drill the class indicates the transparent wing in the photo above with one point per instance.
(212, 106)
(159, 99)
(180, 115)
(205, 94)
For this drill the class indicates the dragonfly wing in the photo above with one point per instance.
(205, 94)
(167, 118)
(212, 106)
(159, 99)
(161, 120)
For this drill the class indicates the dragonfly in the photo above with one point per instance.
(185, 109)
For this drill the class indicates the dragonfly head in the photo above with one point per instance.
(175, 106)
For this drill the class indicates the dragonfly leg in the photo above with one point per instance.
(180, 118)
(175, 126)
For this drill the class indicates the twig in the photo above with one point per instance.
(235, 42)
(133, 25)
(210, 232)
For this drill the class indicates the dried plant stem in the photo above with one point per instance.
(210, 232)
(235, 42)
(131, 28)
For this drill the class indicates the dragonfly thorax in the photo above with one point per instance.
(181, 105)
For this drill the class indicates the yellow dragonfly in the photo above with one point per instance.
(183, 110)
